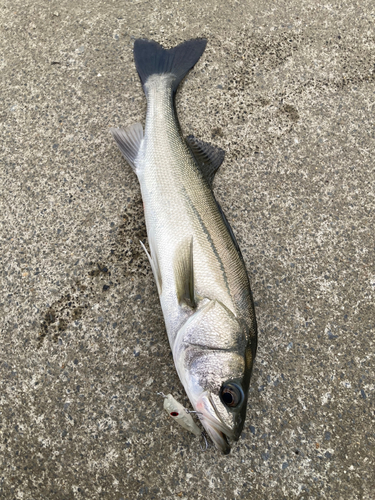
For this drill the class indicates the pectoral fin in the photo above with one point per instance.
(184, 274)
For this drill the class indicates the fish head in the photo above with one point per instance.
(213, 356)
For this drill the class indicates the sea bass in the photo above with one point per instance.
(197, 264)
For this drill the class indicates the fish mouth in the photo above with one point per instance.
(215, 428)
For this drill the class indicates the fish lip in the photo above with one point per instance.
(215, 428)
(218, 438)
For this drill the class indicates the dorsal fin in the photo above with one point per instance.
(230, 230)
(208, 157)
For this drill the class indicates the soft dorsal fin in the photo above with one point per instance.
(184, 274)
(208, 157)
(129, 141)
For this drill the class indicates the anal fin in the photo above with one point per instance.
(184, 274)
(129, 141)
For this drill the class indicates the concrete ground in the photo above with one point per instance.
(287, 89)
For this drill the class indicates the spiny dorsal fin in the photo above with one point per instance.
(184, 274)
(129, 141)
(208, 157)
(230, 230)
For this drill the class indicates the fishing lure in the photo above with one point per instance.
(180, 414)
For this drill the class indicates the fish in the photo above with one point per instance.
(197, 264)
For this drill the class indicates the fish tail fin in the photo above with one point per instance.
(151, 58)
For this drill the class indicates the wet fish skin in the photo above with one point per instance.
(199, 270)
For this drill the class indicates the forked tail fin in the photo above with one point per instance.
(151, 58)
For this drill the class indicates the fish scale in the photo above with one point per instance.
(179, 205)
(184, 206)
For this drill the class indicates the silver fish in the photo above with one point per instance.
(198, 267)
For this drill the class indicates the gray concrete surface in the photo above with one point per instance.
(287, 89)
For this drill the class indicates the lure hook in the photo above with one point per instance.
(203, 435)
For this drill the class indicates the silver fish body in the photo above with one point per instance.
(200, 274)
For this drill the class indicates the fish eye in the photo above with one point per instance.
(231, 395)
